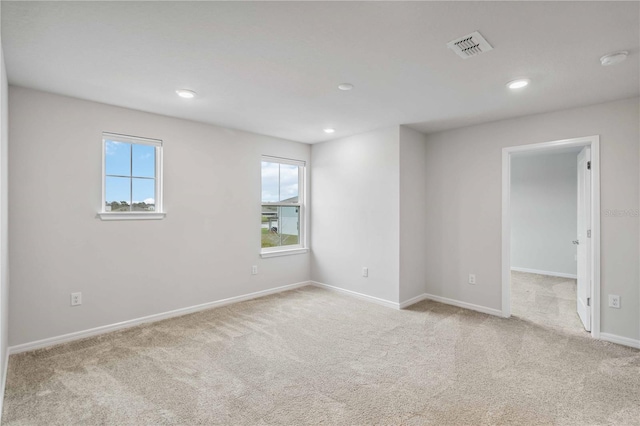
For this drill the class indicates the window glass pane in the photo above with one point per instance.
(269, 226)
(117, 194)
(270, 182)
(144, 192)
(144, 161)
(289, 225)
(288, 183)
(280, 226)
(117, 158)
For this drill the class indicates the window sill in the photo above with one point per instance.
(131, 216)
(268, 254)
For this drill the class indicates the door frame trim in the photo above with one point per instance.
(594, 143)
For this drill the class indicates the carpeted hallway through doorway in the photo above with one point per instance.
(311, 356)
(545, 300)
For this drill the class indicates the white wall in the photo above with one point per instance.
(4, 234)
(201, 252)
(355, 213)
(413, 207)
(464, 211)
(544, 207)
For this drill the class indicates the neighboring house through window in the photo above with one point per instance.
(131, 177)
(282, 218)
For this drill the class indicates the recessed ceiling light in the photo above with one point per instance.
(518, 84)
(614, 58)
(186, 93)
(345, 86)
(329, 130)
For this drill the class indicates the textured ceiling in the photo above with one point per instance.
(273, 67)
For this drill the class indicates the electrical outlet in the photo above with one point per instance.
(254, 270)
(76, 299)
(472, 278)
(614, 301)
(365, 271)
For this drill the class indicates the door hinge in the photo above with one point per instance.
(588, 301)
(588, 233)
(588, 165)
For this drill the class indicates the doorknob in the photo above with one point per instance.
(576, 241)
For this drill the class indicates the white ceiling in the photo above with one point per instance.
(273, 67)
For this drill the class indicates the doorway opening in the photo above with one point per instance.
(551, 235)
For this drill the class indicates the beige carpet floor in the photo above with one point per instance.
(311, 356)
(545, 300)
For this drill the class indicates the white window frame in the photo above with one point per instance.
(301, 247)
(159, 212)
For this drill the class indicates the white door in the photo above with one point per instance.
(584, 238)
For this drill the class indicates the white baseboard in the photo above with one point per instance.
(548, 273)
(413, 300)
(361, 296)
(620, 340)
(465, 305)
(50, 341)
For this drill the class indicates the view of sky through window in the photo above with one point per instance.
(130, 176)
(279, 182)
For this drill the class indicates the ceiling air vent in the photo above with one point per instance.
(470, 45)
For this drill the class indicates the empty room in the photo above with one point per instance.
(350, 213)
